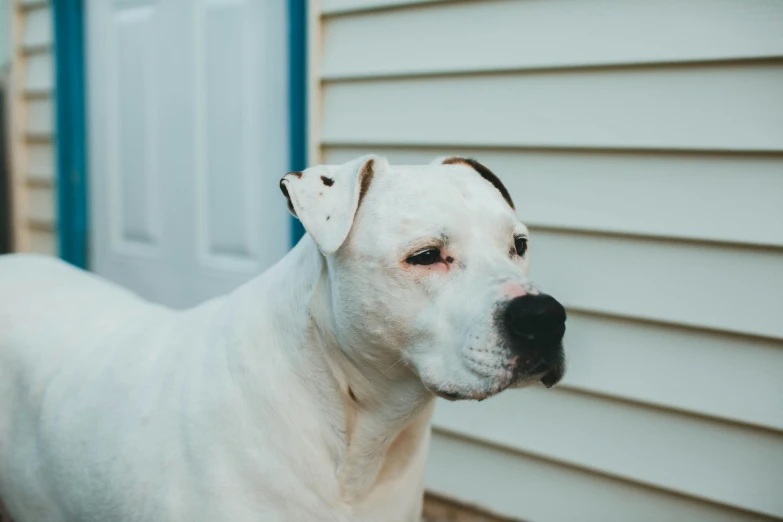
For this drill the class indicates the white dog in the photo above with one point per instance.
(304, 395)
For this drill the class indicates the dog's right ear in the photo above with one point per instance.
(325, 198)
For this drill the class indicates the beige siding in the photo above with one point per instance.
(715, 107)
(542, 490)
(456, 37)
(643, 144)
(32, 130)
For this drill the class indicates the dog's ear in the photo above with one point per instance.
(483, 171)
(325, 198)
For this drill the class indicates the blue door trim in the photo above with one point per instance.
(297, 79)
(72, 205)
(72, 218)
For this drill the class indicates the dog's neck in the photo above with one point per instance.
(385, 411)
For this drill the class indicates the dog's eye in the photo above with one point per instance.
(425, 257)
(520, 245)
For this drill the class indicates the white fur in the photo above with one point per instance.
(112, 408)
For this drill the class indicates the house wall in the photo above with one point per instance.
(32, 127)
(643, 143)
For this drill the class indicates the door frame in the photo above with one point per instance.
(71, 111)
(71, 131)
(297, 94)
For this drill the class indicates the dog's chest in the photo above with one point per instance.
(399, 502)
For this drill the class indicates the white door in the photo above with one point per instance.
(188, 103)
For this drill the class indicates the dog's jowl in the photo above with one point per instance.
(305, 394)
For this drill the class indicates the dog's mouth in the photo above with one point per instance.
(554, 375)
(473, 395)
(548, 375)
(449, 396)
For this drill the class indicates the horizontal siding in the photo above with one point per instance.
(37, 39)
(39, 72)
(33, 4)
(723, 463)
(41, 205)
(726, 107)
(643, 145)
(40, 161)
(502, 35)
(692, 284)
(347, 6)
(679, 368)
(738, 194)
(33, 140)
(40, 116)
(43, 241)
(38, 28)
(540, 490)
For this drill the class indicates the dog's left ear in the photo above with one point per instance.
(326, 198)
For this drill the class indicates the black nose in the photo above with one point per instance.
(535, 323)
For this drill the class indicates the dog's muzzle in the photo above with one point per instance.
(535, 325)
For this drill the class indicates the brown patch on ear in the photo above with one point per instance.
(366, 176)
(327, 181)
(485, 173)
(296, 174)
(285, 193)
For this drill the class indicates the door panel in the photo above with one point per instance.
(188, 139)
(133, 170)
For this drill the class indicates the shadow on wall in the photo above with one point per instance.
(5, 177)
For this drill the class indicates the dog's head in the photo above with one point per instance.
(428, 270)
